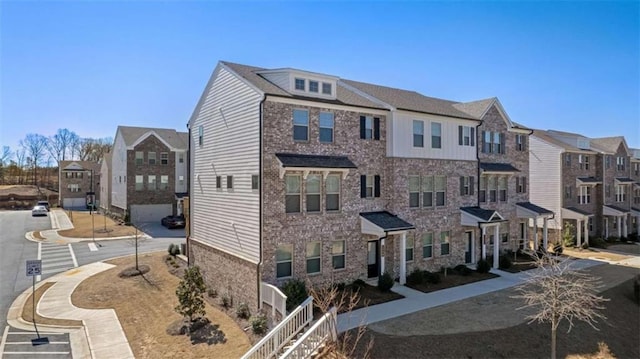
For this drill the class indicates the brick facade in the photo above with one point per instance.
(80, 178)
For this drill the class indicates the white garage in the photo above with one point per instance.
(70, 203)
(150, 212)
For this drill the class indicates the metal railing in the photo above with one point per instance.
(322, 331)
(271, 295)
(281, 335)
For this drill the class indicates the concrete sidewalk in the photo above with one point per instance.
(101, 336)
(414, 300)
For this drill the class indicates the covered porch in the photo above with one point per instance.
(383, 224)
(488, 221)
(582, 223)
(620, 216)
(536, 214)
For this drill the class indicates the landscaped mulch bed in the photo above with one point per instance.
(520, 262)
(452, 279)
(370, 295)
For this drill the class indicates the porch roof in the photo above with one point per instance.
(383, 222)
(635, 211)
(474, 216)
(609, 210)
(587, 181)
(316, 163)
(624, 180)
(180, 195)
(498, 168)
(575, 213)
(530, 210)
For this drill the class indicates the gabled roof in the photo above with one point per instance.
(79, 166)
(610, 144)
(387, 221)
(611, 210)
(575, 210)
(540, 211)
(485, 215)
(546, 136)
(318, 161)
(588, 180)
(479, 109)
(624, 180)
(170, 136)
(498, 167)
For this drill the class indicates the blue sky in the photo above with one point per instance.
(90, 66)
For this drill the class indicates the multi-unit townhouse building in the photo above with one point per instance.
(635, 202)
(77, 179)
(298, 174)
(586, 182)
(105, 184)
(148, 173)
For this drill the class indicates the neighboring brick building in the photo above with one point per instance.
(148, 173)
(76, 183)
(304, 175)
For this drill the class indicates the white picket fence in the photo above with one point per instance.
(283, 333)
(273, 296)
(321, 331)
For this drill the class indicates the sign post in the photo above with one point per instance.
(34, 268)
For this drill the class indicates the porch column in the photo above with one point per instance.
(535, 235)
(179, 207)
(606, 227)
(619, 225)
(586, 231)
(403, 258)
(496, 246)
(625, 231)
(382, 256)
(545, 230)
(484, 246)
(579, 233)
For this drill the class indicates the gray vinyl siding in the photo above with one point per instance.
(280, 79)
(545, 172)
(227, 219)
(105, 186)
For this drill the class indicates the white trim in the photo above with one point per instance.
(608, 211)
(145, 136)
(523, 212)
(569, 214)
(319, 104)
(306, 170)
(293, 71)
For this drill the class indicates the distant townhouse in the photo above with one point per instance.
(305, 175)
(77, 180)
(148, 173)
(634, 171)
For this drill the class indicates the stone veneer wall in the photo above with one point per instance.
(609, 179)
(569, 175)
(300, 228)
(227, 274)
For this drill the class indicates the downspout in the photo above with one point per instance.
(478, 183)
(261, 192)
(189, 193)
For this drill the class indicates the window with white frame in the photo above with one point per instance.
(164, 182)
(368, 127)
(584, 196)
(636, 168)
(255, 182)
(73, 187)
(466, 187)
(497, 142)
(139, 157)
(427, 245)
(200, 135)
(314, 86)
(139, 183)
(326, 88)
(180, 157)
(568, 192)
(164, 158)
(409, 250)
(502, 188)
(636, 196)
(493, 194)
(300, 125)
(436, 135)
(284, 261)
(440, 183)
(620, 163)
(445, 239)
(621, 193)
(427, 191)
(300, 84)
(414, 191)
(338, 254)
(229, 182)
(313, 257)
(312, 190)
(521, 184)
(567, 160)
(326, 127)
(181, 180)
(332, 193)
(520, 142)
(293, 193)
(151, 158)
(152, 181)
(466, 136)
(483, 189)
(486, 142)
(418, 133)
(370, 186)
(583, 160)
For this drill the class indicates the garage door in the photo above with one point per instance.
(150, 212)
(74, 203)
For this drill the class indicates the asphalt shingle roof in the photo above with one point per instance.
(608, 144)
(588, 180)
(619, 209)
(483, 214)
(387, 221)
(546, 136)
(579, 211)
(624, 180)
(498, 167)
(172, 137)
(87, 165)
(298, 160)
(534, 208)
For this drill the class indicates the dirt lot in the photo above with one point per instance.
(83, 227)
(145, 307)
(489, 326)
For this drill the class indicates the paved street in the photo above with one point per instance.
(56, 257)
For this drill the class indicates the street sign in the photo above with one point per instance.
(34, 267)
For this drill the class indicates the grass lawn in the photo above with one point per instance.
(145, 308)
(82, 222)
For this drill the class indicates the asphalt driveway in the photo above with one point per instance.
(156, 230)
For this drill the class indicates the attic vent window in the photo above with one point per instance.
(300, 84)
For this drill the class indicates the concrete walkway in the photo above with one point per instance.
(414, 300)
(102, 335)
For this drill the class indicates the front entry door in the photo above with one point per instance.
(373, 259)
(468, 239)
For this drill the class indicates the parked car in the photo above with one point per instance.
(172, 222)
(44, 204)
(39, 211)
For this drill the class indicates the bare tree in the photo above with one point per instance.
(93, 149)
(5, 159)
(21, 153)
(556, 293)
(35, 145)
(59, 145)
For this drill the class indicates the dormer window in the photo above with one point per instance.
(300, 84)
(326, 88)
(314, 86)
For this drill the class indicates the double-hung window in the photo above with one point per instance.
(568, 192)
(369, 128)
(607, 161)
(620, 163)
(293, 194)
(520, 142)
(466, 185)
(313, 193)
(441, 190)
(492, 189)
(369, 186)
(436, 135)
(74, 187)
(164, 182)
(414, 191)
(151, 183)
(300, 125)
(466, 136)
(486, 142)
(445, 238)
(409, 250)
(584, 196)
(502, 188)
(427, 191)
(255, 182)
(326, 127)
(164, 158)
(621, 193)
(521, 184)
(151, 157)
(497, 142)
(139, 157)
(338, 254)
(284, 261)
(229, 182)
(427, 245)
(200, 135)
(332, 193)
(418, 133)
(567, 160)
(483, 189)
(313, 257)
(218, 182)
